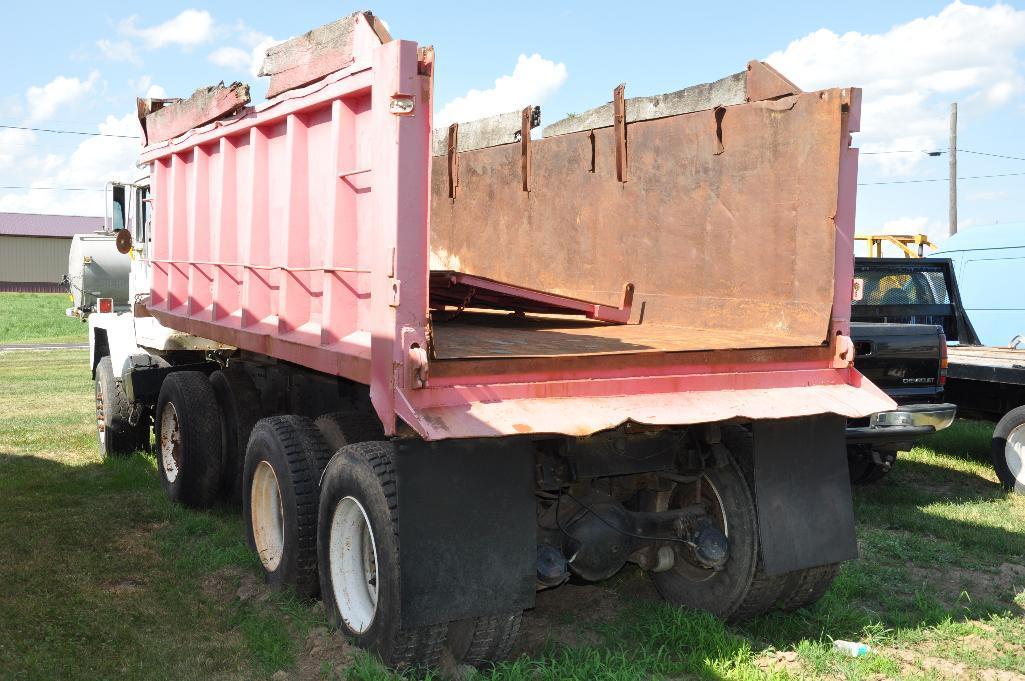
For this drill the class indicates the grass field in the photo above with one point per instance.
(100, 577)
(38, 318)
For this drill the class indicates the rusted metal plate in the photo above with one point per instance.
(739, 244)
(679, 400)
(479, 335)
(765, 82)
(459, 291)
(317, 53)
(206, 104)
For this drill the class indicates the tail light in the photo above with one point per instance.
(105, 304)
(943, 359)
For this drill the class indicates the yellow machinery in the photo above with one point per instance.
(901, 241)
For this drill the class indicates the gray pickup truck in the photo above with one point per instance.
(900, 344)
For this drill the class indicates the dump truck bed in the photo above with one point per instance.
(681, 266)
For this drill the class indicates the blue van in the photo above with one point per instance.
(989, 263)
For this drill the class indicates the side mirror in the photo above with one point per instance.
(123, 241)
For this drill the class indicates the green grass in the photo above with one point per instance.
(103, 578)
(39, 318)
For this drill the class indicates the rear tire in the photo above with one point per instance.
(358, 550)
(806, 587)
(283, 464)
(115, 435)
(720, 592)
(188, 429)
(480, 641)
(240, 408)
(1008, 450)
(342, 428)
(787, 591)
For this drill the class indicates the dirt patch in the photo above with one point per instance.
(324, 651)
(567, 616)
(124, 586)
(914, 664)
(231, 582)
(989, 586)
(138, 541)
(779, 661)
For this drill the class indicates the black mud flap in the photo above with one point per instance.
(468, 529)
(803, 493)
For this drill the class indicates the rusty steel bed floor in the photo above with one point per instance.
(474, 334)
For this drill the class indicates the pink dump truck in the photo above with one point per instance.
(442, 370)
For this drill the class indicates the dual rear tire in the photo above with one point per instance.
(741, 589)
(284, 461)
(359, 549)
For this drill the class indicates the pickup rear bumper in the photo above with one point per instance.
(903, 425)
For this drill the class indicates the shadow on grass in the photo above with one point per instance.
(83, 533)
(105, 578)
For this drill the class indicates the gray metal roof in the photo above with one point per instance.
(31, 224)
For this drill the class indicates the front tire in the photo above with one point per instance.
(188, 425)
(1008, 450)
(115, 435)
(358, 550)
(284, 460)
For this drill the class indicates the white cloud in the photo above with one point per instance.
(906, 225)
(988, 196)
(13, 145)
(532, 81)
(44, 101)
(94, 162)
(912, 72)
(190, 28)
(145, 87)
(247, 60)
(230, 57)
(119, 51)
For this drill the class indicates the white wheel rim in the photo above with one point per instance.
(170, 443)
(268, 519)
(101, 425)
(1014, 456)
(353, 560)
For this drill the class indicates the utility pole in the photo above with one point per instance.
(953, 169)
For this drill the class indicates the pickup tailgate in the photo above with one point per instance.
(901, 359)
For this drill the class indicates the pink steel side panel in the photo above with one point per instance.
(263, 240)
(399, 283)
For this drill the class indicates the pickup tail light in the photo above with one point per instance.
(943, 359)
(105, 304)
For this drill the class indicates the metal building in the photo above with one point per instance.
(34, 249)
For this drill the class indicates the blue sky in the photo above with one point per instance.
(79, 66)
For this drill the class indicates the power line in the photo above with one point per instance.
(57, 189)
(905, 151)
(937, 152)
(69, 132)
(941, 179)
(983, 153)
